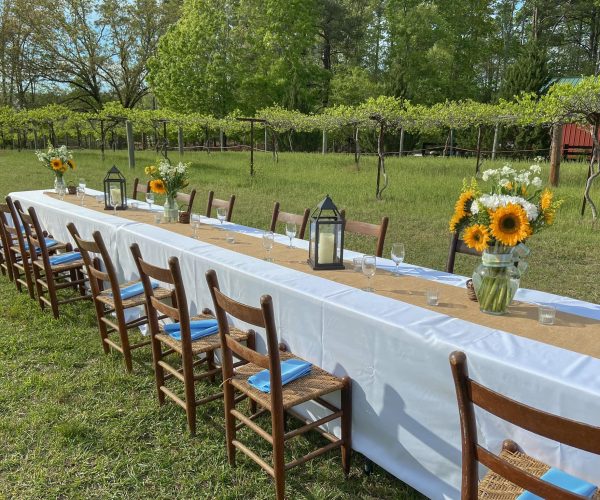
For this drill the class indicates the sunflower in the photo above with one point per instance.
(549, 217)
(477, 237)
(455, 221)
(463, 204)
(56, 164)
(150, 170)
(71, 164)
(158, 186)
(546, 200)
(509, 224)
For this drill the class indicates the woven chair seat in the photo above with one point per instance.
(317, 383)
(204, 344)
(59, 268)
(495, 487)
(137, 300)
(51, 250)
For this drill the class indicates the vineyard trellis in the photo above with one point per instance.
(564, 103)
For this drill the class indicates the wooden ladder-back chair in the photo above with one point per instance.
(186, 200)
(139, 188)
(185, 348)
(512, 471)
(108, 302)
(300, 220)
(281, 399)
(457, 245)
(49, 278)
(365, 228)
(216, 203)
(20, 259)
(7, 240)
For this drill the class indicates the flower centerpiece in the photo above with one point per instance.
(168, 179)
(497, 222)
(58, 160)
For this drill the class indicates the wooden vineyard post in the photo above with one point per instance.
(555, 153)
(180, 140)
(496, 139)
(478, 164)
(130, 143)
(252, 121)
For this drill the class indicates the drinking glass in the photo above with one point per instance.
(290, 231)
(150, 200)
(195, 224)
(398, 255)
(115, 200)
(82, 183)
(221, 214)
(268, 238)
(369, 266)
(61, 190)
(81, 194)
(546, 315)
(432, 296)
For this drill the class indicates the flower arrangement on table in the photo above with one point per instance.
(58, 160)
(497, 222)
(168, 179)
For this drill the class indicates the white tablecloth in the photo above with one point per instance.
(405, 415)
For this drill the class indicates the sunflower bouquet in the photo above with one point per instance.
(58, 160)
(497, 222)
(167, 178)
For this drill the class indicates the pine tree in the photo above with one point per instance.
(529, 73)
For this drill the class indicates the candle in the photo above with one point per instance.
(115, 196)
(326, 248)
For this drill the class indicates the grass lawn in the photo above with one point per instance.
(74, 425)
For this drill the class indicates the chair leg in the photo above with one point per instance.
(278, 453)
(210, 364)
(251, 344)
(124, 339)
(159, 372)
(190, 393)
(230, 431)
(52, 294)
(37, 276)
(346, 448)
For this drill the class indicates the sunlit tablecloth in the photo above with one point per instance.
(405, 415)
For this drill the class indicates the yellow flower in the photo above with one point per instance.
(463, 200)
(546, 200)
(477, 237)
(508, 185)
(549, 217)
(456, 218)
(150, 170)
(157, 186)
(56, 164)
(509, 225)
(71, 164)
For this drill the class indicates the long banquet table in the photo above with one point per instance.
(405, 415)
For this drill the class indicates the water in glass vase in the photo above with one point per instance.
(496, 281)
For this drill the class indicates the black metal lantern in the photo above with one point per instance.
(115, 190)
(326, 242)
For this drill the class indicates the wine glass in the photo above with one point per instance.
(81, 194)
(290, 231)
(82, 183)
(115, 199)
(369, 266)
(149, 199)
(398, 255)
(268, 238)
(221, 214)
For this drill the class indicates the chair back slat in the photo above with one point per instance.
(140, 187)
(379, 231)
(35, 241)
(15, 230)
(523, 479)
(284, 217)
(457, 245)
(187, 199)
(97, 247)
(217, 203)
(553, 427)
(157, 273)
(161, 307)
(470, 394)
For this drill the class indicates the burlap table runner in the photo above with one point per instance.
(575, 333)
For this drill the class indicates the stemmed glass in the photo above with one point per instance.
(398, 255)
(369, 266)
(221, 214)
(268, 238)
(82, 183)
(115, 199)
(81, 194)
(149, 199)
(290, 231)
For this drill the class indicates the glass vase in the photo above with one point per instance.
(496, 280)
(171, 210)
(59, 184)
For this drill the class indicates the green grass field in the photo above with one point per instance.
(74, 425)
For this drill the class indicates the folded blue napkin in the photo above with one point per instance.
(133, 290)
(291, 369)
(198, 329)
(49, 243)
(64, 258)
(563, 480)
